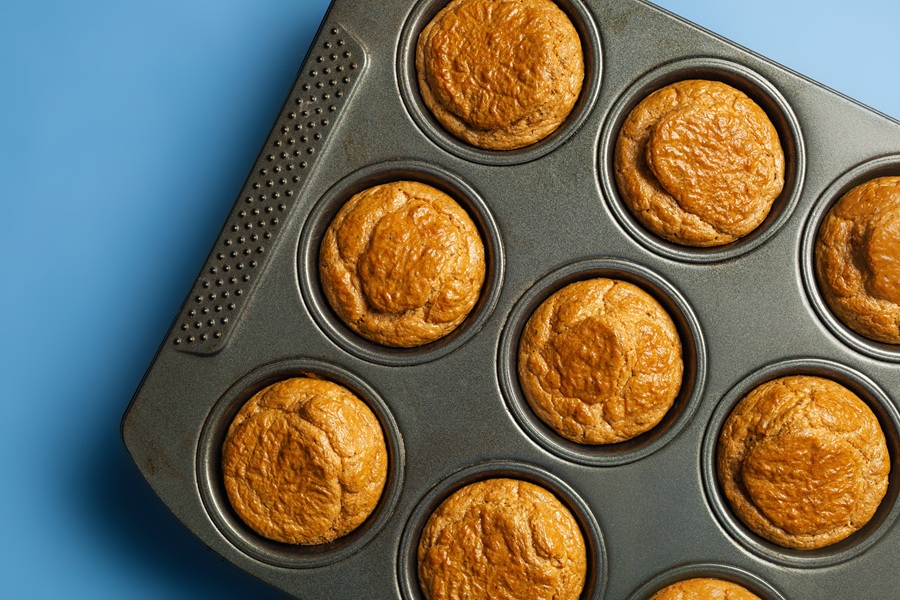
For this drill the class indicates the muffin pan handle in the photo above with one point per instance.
(272, 191)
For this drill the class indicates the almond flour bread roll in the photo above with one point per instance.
(402, 264)
(858, 259)
(699, 163)
(304, 461)
(500, 74)
(502, 539)
(803, 462)
(600, 361)
(703, 588)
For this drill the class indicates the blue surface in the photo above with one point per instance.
(126, 132)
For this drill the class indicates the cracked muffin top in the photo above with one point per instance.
(803, 462)
(500, 74)
(304, 461)
(502, 539)
(699, 163)
(704, 588)
(402, 264)
(858, 259)
(600, 361)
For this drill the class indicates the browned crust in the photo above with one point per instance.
(699, 163)
(704, 588)
(858, 259)
(304, 461)
(803, 462)
(600, 361)
(502, 539)
(402, 264)
(500, 74)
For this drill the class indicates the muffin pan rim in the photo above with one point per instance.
(695, 362)
(858, 542)
(756, 86)
(211, 485)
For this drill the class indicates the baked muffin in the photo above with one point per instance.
(500, 74)
(803, 462)
(304, 461)
(502, 539)
(703, 588)
(600, 361)
(858, 259)
(699, 163)
(402, 264)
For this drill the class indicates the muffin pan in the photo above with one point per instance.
(549, 214)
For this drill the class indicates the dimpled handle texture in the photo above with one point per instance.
(272, 190)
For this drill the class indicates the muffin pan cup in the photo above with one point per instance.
(595, 582)
(211, 483)
(758, 89)
(883, 166)
(331, 203)
(714, 571)
(547, 213)
(858, 542)
(425, 10)
(693, 354)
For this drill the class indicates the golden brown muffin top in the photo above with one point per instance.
(304, 461)
(500, 74)
(600, 361)
(502, 539)
(803, 462)
(699, 163)
(402, 264)
(704, 588)
(858, 259)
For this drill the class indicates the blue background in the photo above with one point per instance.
(126, 131)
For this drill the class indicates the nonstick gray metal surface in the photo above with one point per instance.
(549, 214)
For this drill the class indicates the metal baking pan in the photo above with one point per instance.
(549, 214)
